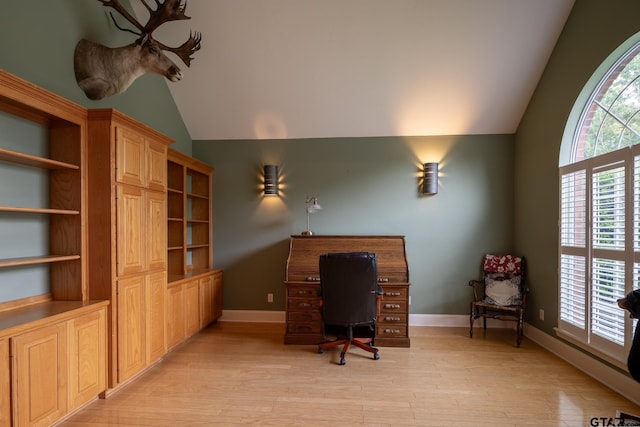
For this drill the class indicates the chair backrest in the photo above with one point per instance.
(349, 283)
(509, 265)
(504, 280)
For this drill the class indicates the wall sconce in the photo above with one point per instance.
(270, 180)
(430, 178)
(312, 207)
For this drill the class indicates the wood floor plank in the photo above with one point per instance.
(238, 373)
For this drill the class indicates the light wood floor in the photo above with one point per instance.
(233, 373)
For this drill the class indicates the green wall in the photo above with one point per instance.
(595, 29)
(38, 40)
(365, 186)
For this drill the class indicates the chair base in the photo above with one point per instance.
(479, 311)
(362, 343)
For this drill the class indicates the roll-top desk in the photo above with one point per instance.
(302, 282)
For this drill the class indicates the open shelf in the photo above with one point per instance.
(35, 161)
(16, 262)
(39, 210)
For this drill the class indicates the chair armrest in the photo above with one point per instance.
(475, 284)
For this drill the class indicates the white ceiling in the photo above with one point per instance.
(348, 68)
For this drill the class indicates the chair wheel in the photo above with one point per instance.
(320, 350)
(376, 356)
(343, 362)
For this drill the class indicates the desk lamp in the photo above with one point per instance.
(312, 206)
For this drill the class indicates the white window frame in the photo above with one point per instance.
(629, 255)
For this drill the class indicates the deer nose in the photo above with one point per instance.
(174, 73)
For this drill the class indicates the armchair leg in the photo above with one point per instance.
(520, 329)
(472, 317)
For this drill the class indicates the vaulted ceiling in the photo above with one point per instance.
(348, 68)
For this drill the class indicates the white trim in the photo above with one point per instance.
(454, 321)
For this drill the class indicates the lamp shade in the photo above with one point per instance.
(430, 178)
(270, 180)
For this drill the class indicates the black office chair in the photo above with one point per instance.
(350, 295)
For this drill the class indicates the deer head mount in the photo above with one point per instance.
(103, 71)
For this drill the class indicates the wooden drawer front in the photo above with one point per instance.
(392, 319)
(303, 291)
(390, 331)
(394, 293)
(304, 304)
(304, 327)
(304, 316)
(388, 306)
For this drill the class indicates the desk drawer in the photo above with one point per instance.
(311, 291)
(392, 319)
(304, 316)
(304, 328)
(391, 331)
(394, 293)
(303, 304)
(388, 307)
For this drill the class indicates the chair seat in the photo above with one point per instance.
(513, 308)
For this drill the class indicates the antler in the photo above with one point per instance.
(169, 10)
(187, 48)
(115, 4)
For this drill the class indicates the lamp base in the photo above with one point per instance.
(307, 233)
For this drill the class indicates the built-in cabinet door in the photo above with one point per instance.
(217, 295)
(157, 230)
(130, 155)
(156, 166)
(87, 357)
(5, 401)
(132, 241)
(175, 315)
(192, 307)
(156, 291)
(39, 376)
(131, 327)
(206, 301)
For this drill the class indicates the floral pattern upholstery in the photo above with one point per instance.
(502, 264)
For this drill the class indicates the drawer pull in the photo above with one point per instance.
(392, 331)
(305, 292)
(392, 294)
(392, 306)
(392, 319)
(312, 279)
(305, 304)
(383, 279)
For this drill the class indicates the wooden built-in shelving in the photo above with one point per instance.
(55, 319)
(189, 216)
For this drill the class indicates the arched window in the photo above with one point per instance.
(600, 207)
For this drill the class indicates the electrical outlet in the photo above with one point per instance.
(269, 297)
(541, 314)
